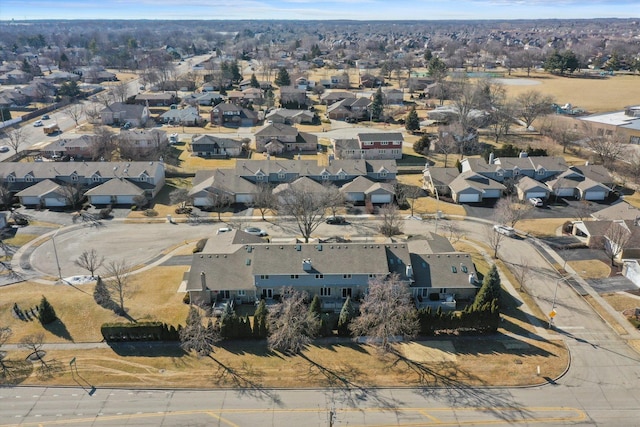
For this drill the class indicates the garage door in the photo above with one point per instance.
(380, 198)
(595, 195)
(538, 194)
(468, 198)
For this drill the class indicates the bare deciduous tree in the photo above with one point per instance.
(291, 326)
(452, 231)
(120, 91)
(180, 197)
(387, 311)
(494, 239)
(103, 144)
(198, 337)
(410, 194)
(446, 141)
(15, 138)
(263, 199)
(306, 208)
(90, 261)
(117, 282)
(508, 210)
(560, 132)
(34, 343)
(334, 197)
(616, 239)
(522, 273)
(74, 112)
(391, 221)
(218, 202)
(74, 193)
(92, 114)
(607, 145)
(531, 105)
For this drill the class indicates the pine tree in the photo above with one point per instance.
(377, 106)
(346, 315)
(260, 320)
(412, 122)
(254, 81)
(490, 289)
(315, 307)
(46, 313)
(283, 79)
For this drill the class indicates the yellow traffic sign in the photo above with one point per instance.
(552, 314)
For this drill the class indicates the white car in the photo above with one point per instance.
(503, 229)
(4, 148)
(536, 201)
(223, 230)
(38, 123)
(256, 231)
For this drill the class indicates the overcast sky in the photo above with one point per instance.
(317, 9)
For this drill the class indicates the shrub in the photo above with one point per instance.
(106, 212)
(186, 298)
(150, 212)
(200, 245)
(134, 208)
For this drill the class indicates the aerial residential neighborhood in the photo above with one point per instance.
(258, 206)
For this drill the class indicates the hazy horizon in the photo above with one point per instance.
(360, 10)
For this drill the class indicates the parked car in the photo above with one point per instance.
(256, 231)
(45, 117)
(38, 123)
(173, 138)
(4, 148)
(536, 201)
(503, 229)
(223, 230)
(336, 220)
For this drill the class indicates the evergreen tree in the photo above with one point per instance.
(260, 320)
(377, 106)
(346, 315)
(490, 289)
(315, 51)
(412, 122)
(254, 81)
(5, 113)
(46, 313)
(283, 79)
(315, 308)
(422, 145)
(234, 70)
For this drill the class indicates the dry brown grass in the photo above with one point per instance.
(591, 269)
(251, 365)
(584, 93)
(541, 227)
(154, 298)
(621, 301)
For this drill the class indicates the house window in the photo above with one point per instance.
(11, 178)
(259, 177)
(294, 276)
(95, 178)
(634, 140)
(267, 293)
(383, 173)
(241, 293)
(325, 292)
(384, 143)
(342, 175)
(346, 292)
(540, 171)
(74, 178)
(264, 277)
(281, 175)
(395, 151)
(346, 276)
(325, 177)
(319, 276)
(28, 178)
(368, 143)
(142, 178)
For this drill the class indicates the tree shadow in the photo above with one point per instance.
(448, 386)
(58, 328)
(148, 349)
(242, 380)
(17, 372)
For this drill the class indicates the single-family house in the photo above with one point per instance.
(231, 115)
(437, 180)
(209, 183)
(44, 194)
(528, 188)
(156, 99)
(120, 113)
(380, 145)
(291, 97)
(276, 138)
(289, 117)
(213, 146)
(188, 116)
(137, 143)
(331, 96)
(73, 146)
(573, 184)
(115, 191)
(392, 96)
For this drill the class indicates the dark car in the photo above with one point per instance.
(336, 220)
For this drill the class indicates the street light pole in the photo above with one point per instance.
(552, 313)
(55, 253)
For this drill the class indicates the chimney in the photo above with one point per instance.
(523, 155)
(492, 158)
(203, 280)
(409, 271)
(472, 278)
(306, 264)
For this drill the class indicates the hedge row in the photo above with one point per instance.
(141, 331)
